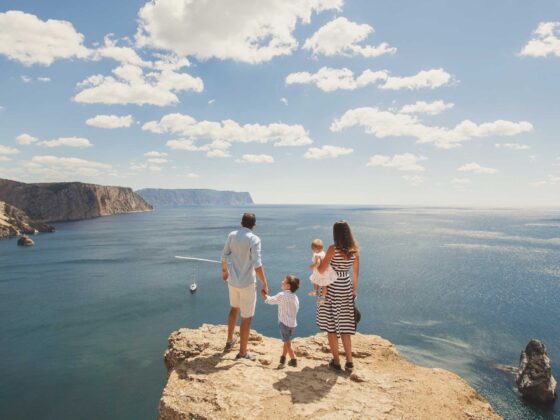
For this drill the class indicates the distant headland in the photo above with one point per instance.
(194, 197)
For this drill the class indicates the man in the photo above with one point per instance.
(244, 249)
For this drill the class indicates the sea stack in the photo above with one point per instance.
(25, 241)
(534, 377)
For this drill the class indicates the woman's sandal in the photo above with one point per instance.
(335, 366)
(348, 366)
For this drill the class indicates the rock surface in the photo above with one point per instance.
(205, 383)
(534, 376)
(25, 241)
(194, 197)
(14, 222)
(66, 201)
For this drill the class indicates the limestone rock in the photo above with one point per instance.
(534, 376)
(14, 222)
(205, 383)
(194, 197)
(65, 201)
(25, 241)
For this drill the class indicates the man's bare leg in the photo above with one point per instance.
(244, 335)
(232, 321)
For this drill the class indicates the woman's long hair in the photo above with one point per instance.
(344, 240)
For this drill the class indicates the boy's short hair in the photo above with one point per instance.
(249, 220)
(293, 281)
(317, 243)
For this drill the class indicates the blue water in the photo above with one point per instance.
(85, 314)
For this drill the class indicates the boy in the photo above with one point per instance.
(288, 306)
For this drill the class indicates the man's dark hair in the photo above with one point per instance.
(249, 220)
(293, 281)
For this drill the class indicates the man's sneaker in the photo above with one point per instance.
(229, 345)
(292, 362)
(282, 360)
(247, 356)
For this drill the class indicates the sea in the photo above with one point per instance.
(85, 314)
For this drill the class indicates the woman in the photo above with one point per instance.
(336, 315)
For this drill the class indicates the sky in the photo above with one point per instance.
(398, 102)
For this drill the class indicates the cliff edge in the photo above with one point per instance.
(67, 201)
(14, 222)
(194, 197)
(204, 383)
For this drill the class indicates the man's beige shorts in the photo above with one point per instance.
(245, 299)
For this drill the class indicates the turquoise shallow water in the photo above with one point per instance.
(85, 314)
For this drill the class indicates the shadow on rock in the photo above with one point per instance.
(307, 385)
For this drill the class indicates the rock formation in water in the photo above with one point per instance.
(189, 197)
(65, 201)
(14, 222)
(534, 377)
(204, 383)
(25, 241)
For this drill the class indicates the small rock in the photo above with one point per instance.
(356, 377)
(25, 241)
(534, 376)
(265, 361)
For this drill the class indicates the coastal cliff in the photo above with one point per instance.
(14, 222)
(205, 383)
(66, 201)
(194, 197)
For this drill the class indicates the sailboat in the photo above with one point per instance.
(193, 287)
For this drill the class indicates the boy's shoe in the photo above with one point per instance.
(313, 293)
(321, 300)
(282, 360)
(292, 362)
(335, 366)
(349, 366)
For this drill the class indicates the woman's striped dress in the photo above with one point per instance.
(336, 315)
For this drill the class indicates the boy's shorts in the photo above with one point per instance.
(286, 332)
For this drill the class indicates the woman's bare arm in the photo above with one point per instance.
(355, 275)
(327, 260)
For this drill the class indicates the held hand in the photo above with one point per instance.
(225, 275)
(264, 292)
(354, 294)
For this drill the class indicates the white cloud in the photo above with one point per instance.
(325, 152)
(257, 159)
(155, 154)
(551, 180)
(110, 121)
(461, 181)
(247, 31)
(5, 150)
(64, 167)
(130, 85)
(193, 176)
(29, 40)
(4, 158)
(124, 55)
(405, 162)
(284, 101)
(44, 79)
(546, 41)
(383, 124)
(342, 37)
(78, 142)
(430, 108)
(512, 146)
(222, 134)
(211, 101)
(426, 79)
(157, 161)
(2, 108)
(26, 139)
(26, 79)
(330, 79)
(414, 180)
(476, 168)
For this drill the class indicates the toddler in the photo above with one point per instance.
(288, 306)
(318, 279)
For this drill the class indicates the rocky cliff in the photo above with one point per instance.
(189, 197)
(65, 201)
(204, 383)
(14, 222)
